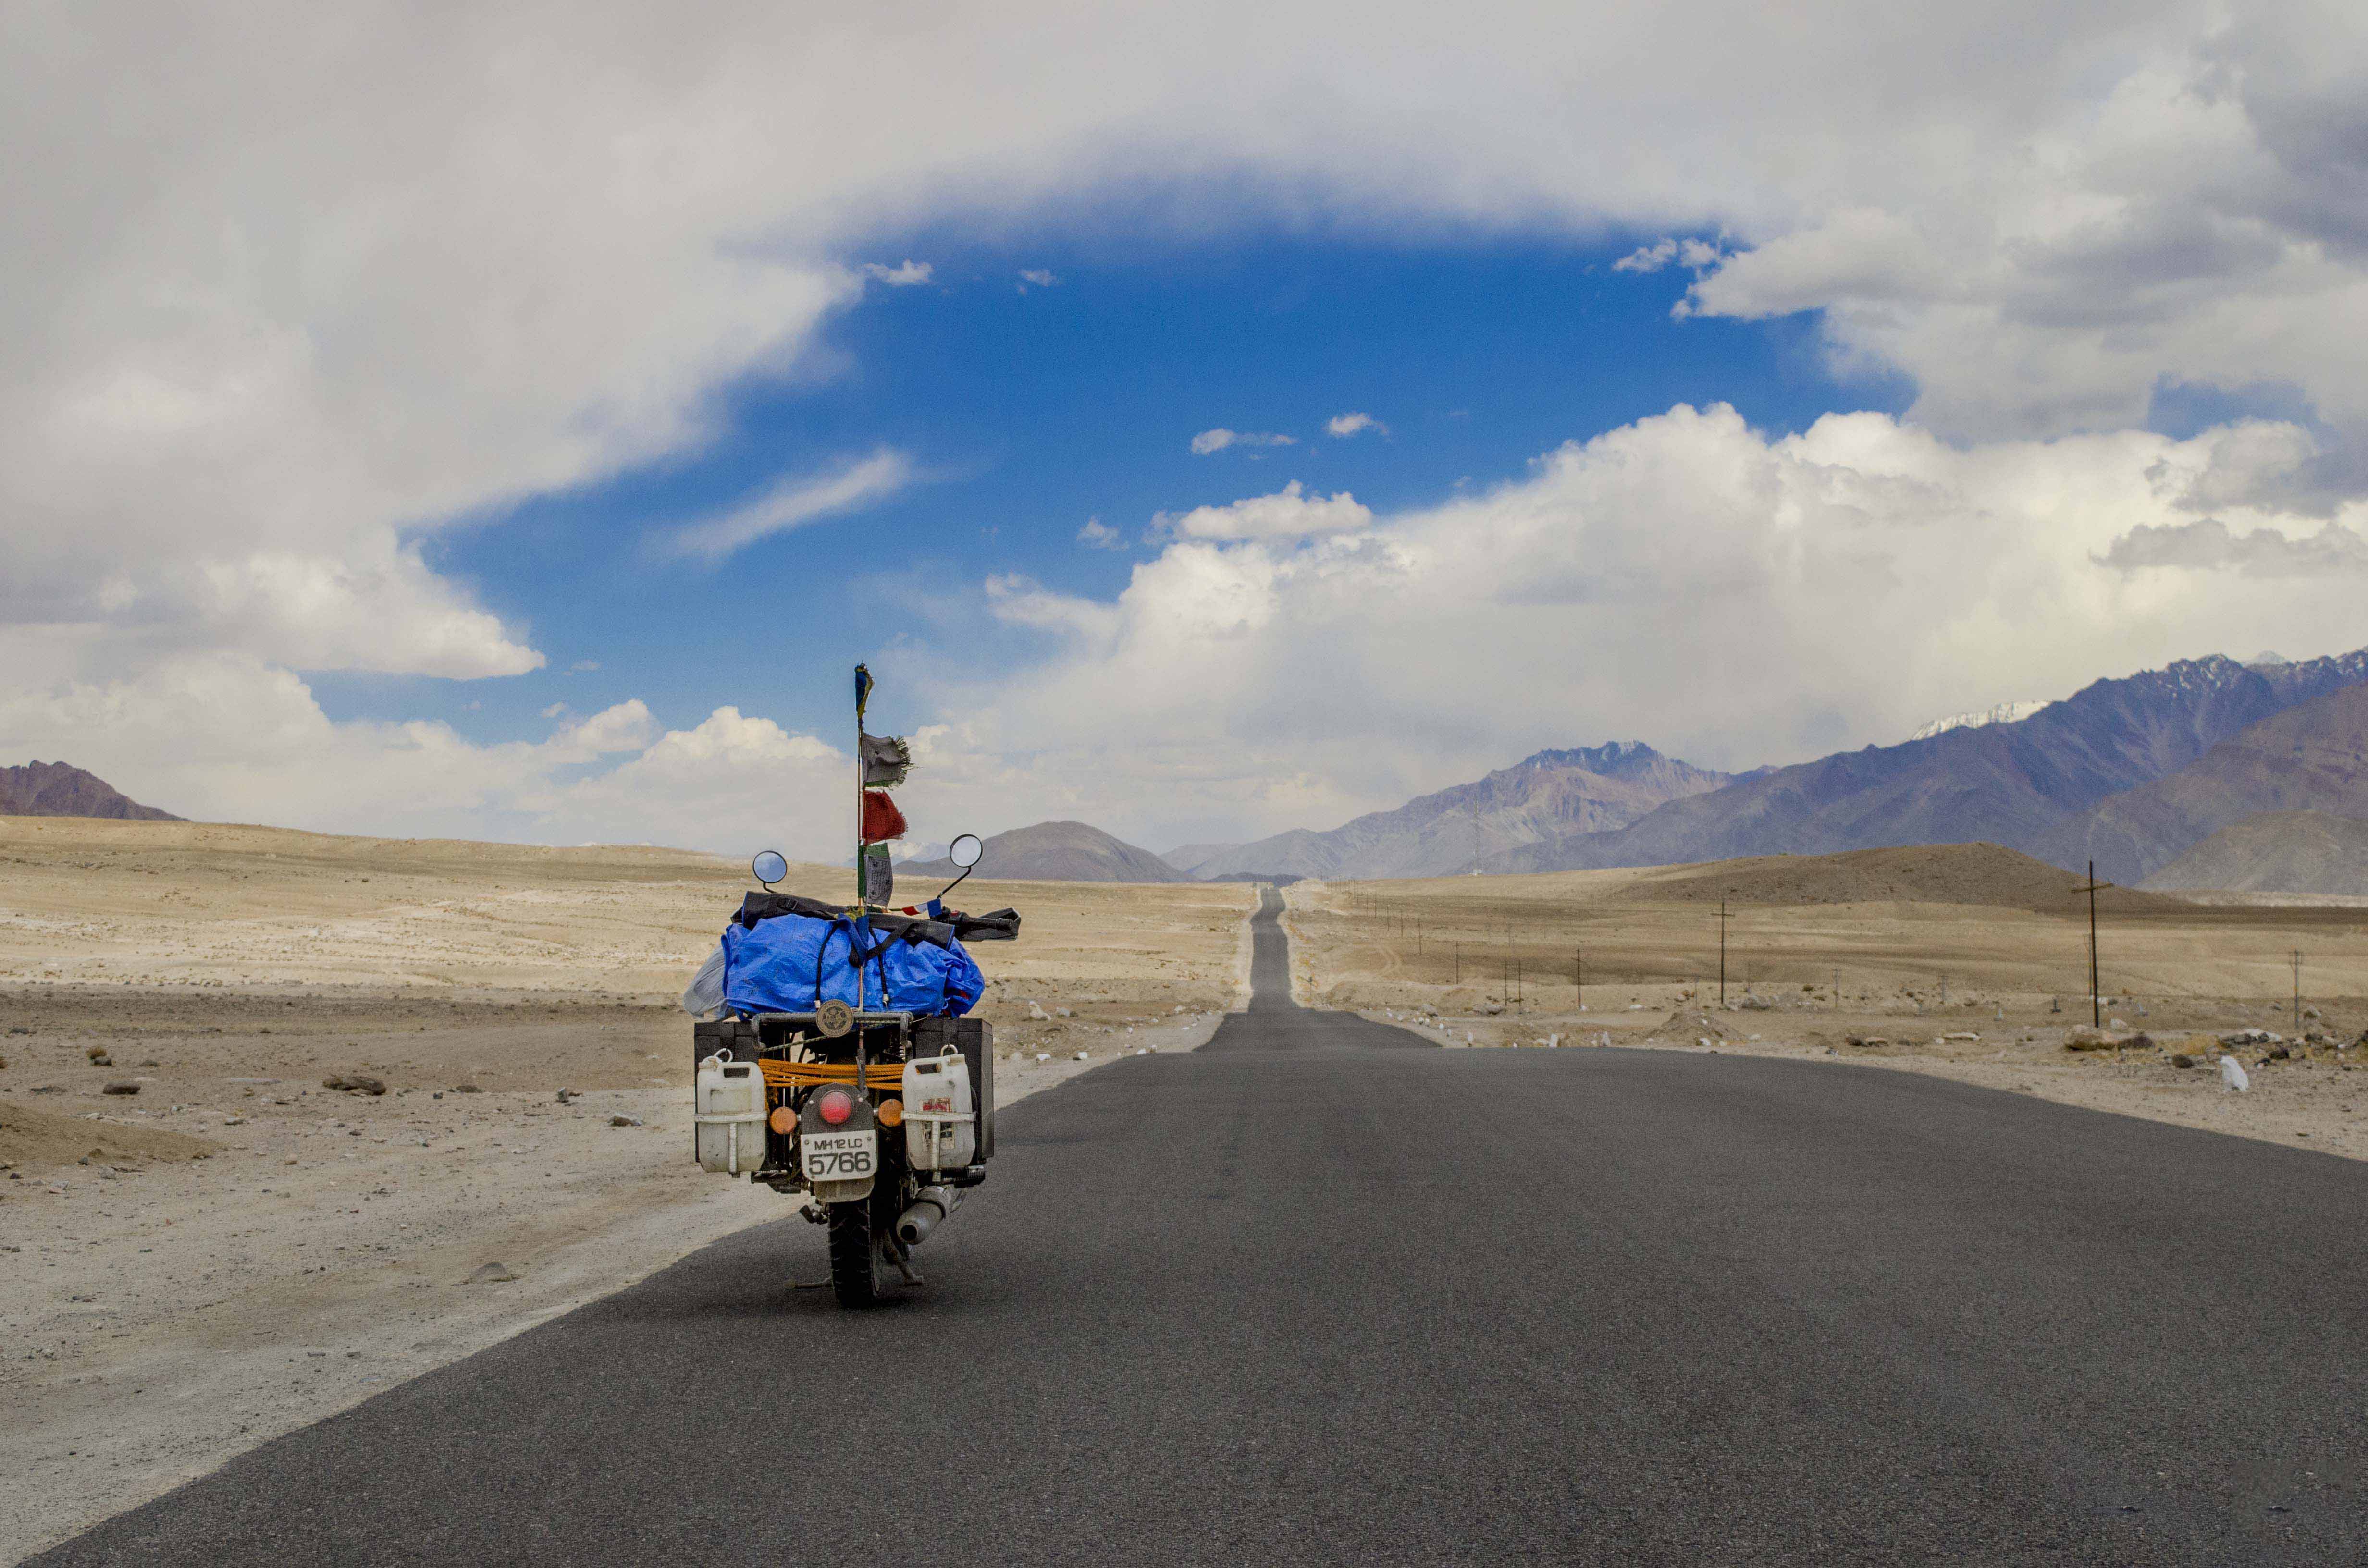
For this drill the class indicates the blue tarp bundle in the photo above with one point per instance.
(790, 963)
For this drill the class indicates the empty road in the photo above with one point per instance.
(1320, 1292)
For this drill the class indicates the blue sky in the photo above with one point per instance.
(1031, 409)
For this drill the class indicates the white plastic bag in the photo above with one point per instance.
(705, 992)
(2234, 1075)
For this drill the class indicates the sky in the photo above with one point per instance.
(1203, 424)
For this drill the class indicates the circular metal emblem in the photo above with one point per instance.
(834, 1018)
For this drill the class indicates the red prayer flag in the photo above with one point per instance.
(880, 817)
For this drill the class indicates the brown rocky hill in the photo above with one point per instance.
(61, 789)
(1924, 873)
(1050, 852)
(2304, 852)
(2309, 758)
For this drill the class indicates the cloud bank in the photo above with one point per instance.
(284, 290)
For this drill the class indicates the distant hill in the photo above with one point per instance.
(61, 789)
(1055, 852)
(2276, 852)
(2312, 758)
(1189, 856)
(2001, 783)
(1547, 798)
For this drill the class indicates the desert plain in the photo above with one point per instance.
(227, 1247)
(1965, 961)
(233, 1249)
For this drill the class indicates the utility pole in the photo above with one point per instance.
(1723, 918)
(2095, 1003)
(1458, 964)
(2297, 973)
(1579, 976)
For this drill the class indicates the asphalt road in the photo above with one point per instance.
(1321, 1294)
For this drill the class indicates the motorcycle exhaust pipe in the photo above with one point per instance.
(913, 1227)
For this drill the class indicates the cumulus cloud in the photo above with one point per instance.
(796, 502)
(228, 738)
(1040, 275)
(1732, 598)
(1345, 424)
(1101, 535)
(905, 275)
(1288, 513)
(2209, 545)
(1218, 439)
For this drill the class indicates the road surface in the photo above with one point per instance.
(1320, 1292)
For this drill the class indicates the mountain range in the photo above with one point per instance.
(2012, 784)
(61, 789)
(1550, 797)
(2136, 772)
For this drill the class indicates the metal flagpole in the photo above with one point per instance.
(862, 877)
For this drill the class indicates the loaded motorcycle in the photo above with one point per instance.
(841, 1066)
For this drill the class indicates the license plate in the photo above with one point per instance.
(840, 1156)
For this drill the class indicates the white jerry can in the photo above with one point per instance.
(940, 1119)
(728, 1109)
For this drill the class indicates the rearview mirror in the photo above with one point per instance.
(965, 851)
(769, 867)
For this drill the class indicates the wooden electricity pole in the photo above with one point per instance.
(1723, 918)
(1579, 976)
(2297, 974)
(2096, 1002)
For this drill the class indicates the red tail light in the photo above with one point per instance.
(836, 1106)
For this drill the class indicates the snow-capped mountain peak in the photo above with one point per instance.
(2004, 713)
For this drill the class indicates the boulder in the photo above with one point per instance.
(121, 1088)
(354, 1083)
(2181, 1059)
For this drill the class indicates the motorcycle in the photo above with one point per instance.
(867, 1091)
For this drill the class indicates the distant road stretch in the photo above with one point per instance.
(1320, 1292)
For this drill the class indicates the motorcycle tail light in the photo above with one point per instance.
(836, 1106)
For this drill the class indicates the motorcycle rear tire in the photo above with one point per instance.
(855, 1261)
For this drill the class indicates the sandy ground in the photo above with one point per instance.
(237, 1250)
(1987, 994)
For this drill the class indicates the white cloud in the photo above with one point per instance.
(1101, 535)
(1647, 258)
(1218, 439)
(905, 275)
(227, 738)
(1733, 598)
(1040, 275)
(1288, 513)
(1345, 424)
(796, 502)
(272, 314)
